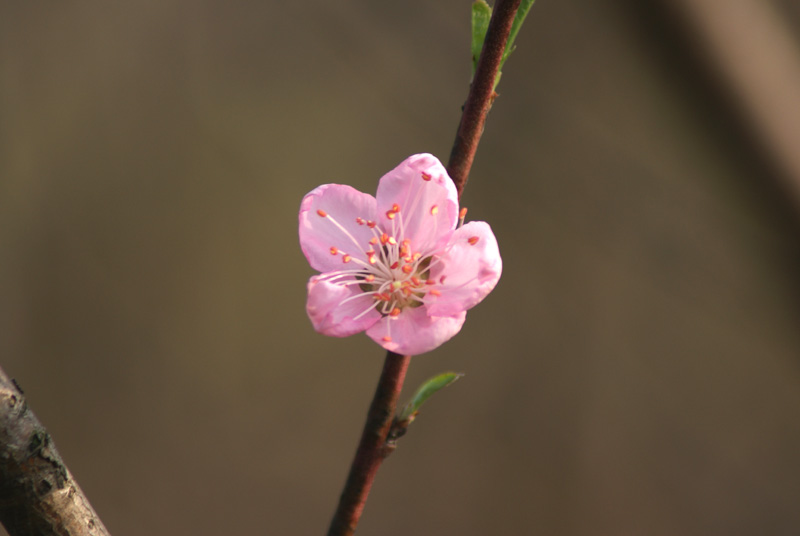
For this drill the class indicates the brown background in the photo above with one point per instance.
(637, 370)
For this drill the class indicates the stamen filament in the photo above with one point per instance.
(365, 311)
(345, 231)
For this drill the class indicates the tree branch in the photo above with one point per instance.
(38, 495)
(373, 447)
(481, 93)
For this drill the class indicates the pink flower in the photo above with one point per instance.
(396, 266)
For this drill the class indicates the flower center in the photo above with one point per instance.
(387, 267)
(396, 288)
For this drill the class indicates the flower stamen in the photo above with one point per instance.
(341, 228)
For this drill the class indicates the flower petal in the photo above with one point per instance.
(333, 312)
(427, 199)
(414, 332)
(329, 228)
(471, 267)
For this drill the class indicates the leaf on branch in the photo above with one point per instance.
(522, 12)
(481, 13)
(425, 391)
(404, 418)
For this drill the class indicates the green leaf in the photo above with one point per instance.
(522, 12)
(425, 391)
(481, 13)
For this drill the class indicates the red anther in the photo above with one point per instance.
(406, 291)
(430, 282)
(395, 207)
(370, 278)
(322, 213)
(373, 240)
(434, 210)
(473, 240)
(392, 241)
(387, 339)
(416, 256)
(381, 296)
(394, 265)
(462, 213)
(426, 176)
(334, 250)
(434, 292)
(384, 238)
(441, 279)
(371, 224)
(395, 312)
(415, 280)
(346, 258)
(407, 268)
(360, 220)
(390, 214)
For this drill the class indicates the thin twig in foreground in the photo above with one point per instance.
(373, 448)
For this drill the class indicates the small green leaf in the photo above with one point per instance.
(481, 13)
(425, 391)
(522, 12)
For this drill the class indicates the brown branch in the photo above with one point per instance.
(375, 445)
(481, 93)
(38, 495)
(371, 451)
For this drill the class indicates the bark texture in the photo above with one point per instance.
(38, 495)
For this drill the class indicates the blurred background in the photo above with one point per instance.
(636, 371)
